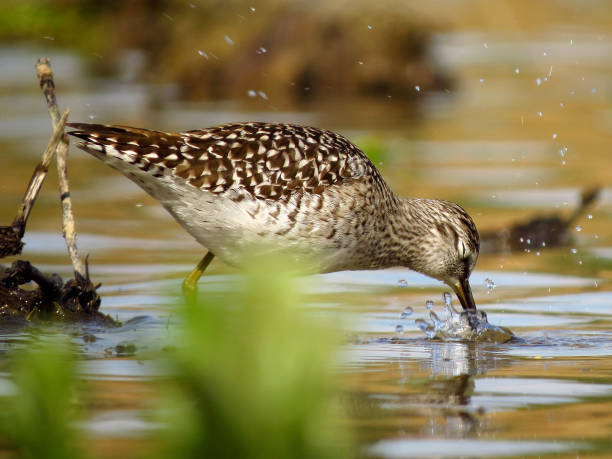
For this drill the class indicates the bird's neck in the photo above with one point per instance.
(405, 229)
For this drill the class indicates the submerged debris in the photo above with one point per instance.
(10, 242)
(539, 232)
(49, 298)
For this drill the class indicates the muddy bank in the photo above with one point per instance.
(284, 54)
(26, 294)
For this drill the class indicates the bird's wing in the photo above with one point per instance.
(269, 161)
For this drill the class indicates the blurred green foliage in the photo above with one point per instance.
(374, 148)
(253, 377)
(38, 418)
(293, 52)
(75, 24)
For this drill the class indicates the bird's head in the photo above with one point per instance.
(447, 245)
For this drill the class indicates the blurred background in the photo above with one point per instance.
(502, 106)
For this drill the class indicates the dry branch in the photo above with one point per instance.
(45, 76)
(76, 299)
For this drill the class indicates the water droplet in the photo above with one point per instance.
(544, 53)
(417, 88)
(538, 81)
(517, 70)
(261, 50)
(579, 262)
(528, 241)
(561, 104)
(360, 62)
(251, 93)
(263, 95)
(489, 283)
(563, 163)
(482, 80)
(596, 284)
(447, 299)
(573, 250)
(402, 283)
(429, 305)
(554, 136)
(589, 217)
(92, 117)
(228, 40)
(399, 329)
(203, 54)
(406, 312)
(138, 204)
(543, 244)
(578, 228)
(521, 240)
(369, 27)
(596, 236)
(538, 254)
(540, 114)
(252, 8)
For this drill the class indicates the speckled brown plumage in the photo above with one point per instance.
(302, 189)
(269, 161)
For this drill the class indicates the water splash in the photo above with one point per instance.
(406, 312)
(453, 325)
(490, 284)
(402, 283)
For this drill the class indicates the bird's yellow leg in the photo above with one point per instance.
(190, 284)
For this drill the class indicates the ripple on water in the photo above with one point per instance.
(367, 280)
(440, 447)
(589, 303)
(563, 343)
(511, 393)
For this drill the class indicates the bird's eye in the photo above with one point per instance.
(462, 250)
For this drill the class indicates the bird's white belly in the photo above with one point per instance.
(233, 229)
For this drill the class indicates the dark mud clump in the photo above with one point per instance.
(541, 231)
(26, 295)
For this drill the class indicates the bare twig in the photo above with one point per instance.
(38, 177)
(11, 236)
(45, 75)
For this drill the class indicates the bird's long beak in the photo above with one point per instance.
(464, 293)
